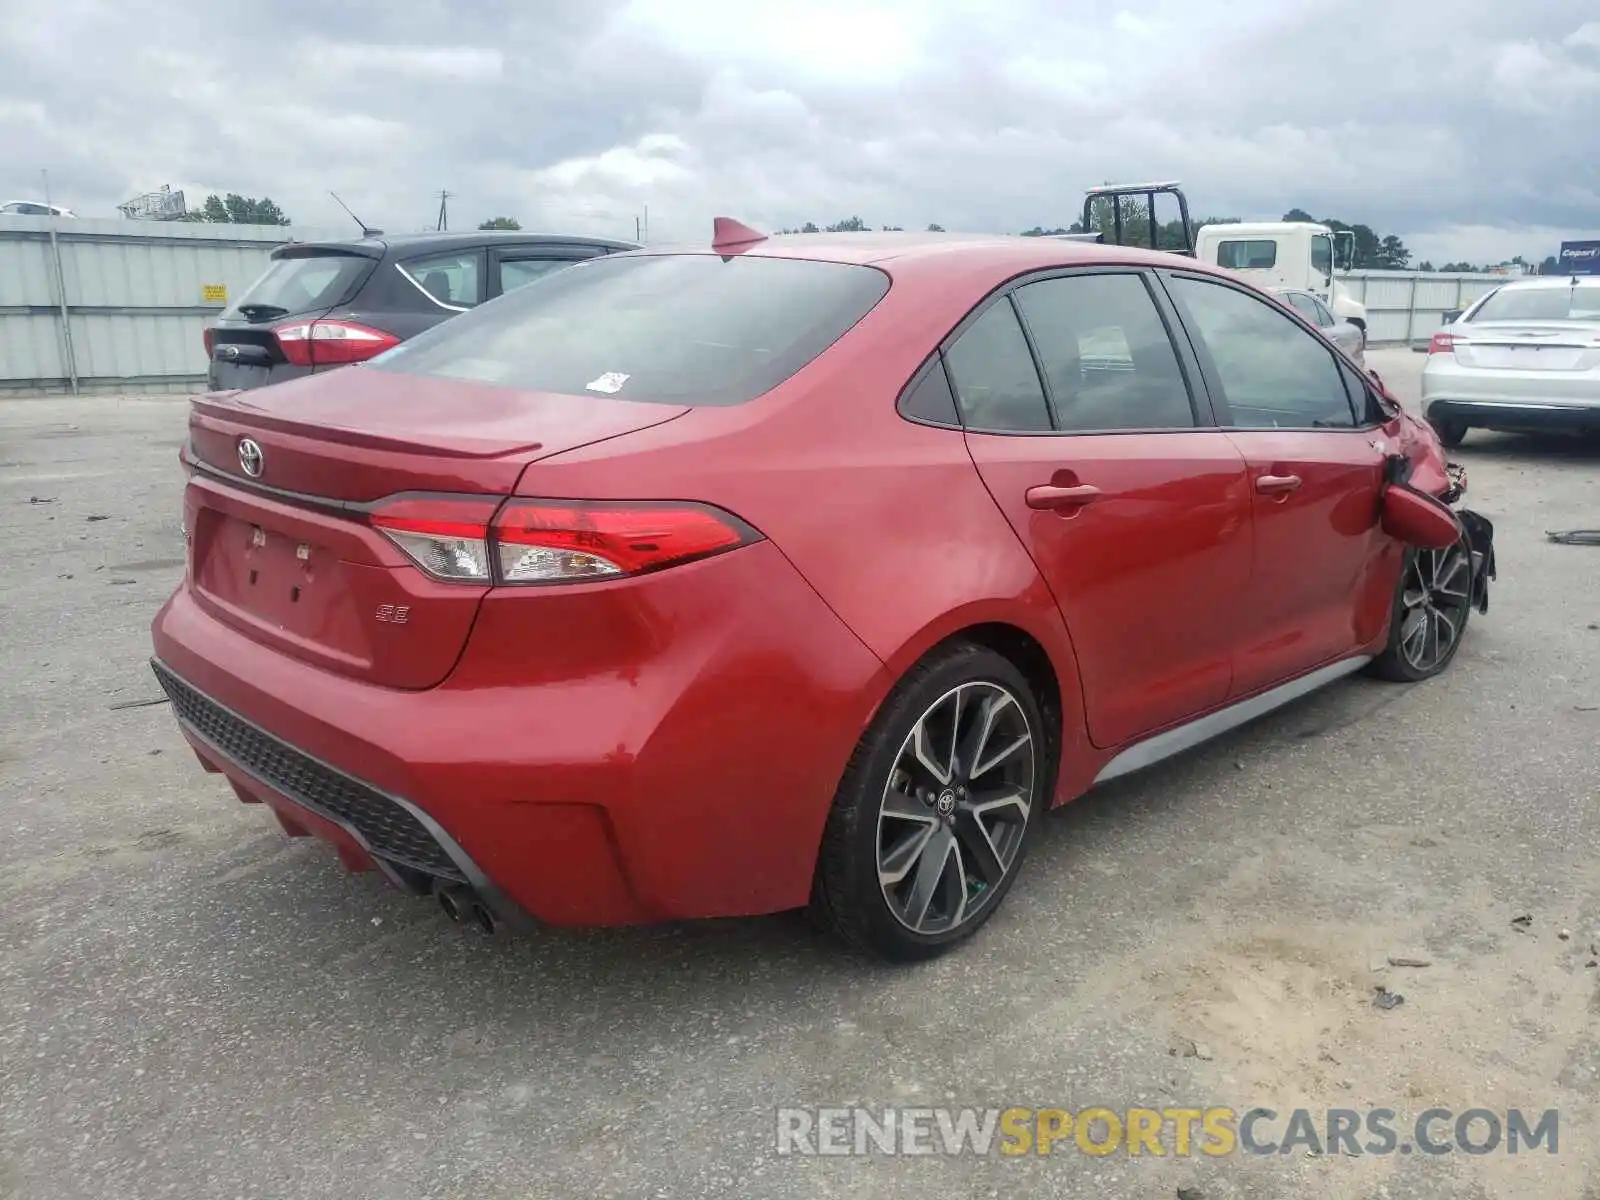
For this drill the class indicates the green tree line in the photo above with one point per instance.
(234, 209)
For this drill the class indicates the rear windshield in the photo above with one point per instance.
(1581, 303)
(692, 329)
(291, 286)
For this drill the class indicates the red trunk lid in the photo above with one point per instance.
(286, 554)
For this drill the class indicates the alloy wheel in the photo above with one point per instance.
(1434, 599)
(956, 807)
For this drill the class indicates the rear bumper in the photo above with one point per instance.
(226, 376)
(1509, 399)
(686, 772)
(370, 828)
(1532, 415)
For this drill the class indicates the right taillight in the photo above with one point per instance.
(464, 539)
(447, 536)
(1442, 343)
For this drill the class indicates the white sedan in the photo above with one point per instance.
(1524, 358)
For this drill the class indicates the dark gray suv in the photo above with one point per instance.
(321, 305)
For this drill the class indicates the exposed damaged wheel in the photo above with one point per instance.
(935, 810)
(1431, 608)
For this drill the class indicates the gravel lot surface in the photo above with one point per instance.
(193, 1005)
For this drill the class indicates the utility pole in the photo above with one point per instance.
(444, 214)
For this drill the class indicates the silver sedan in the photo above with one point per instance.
(1524, 358)
(1352, 339)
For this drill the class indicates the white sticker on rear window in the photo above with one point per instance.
(610, 383)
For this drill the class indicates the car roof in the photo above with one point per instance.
(409, 243)
(957, 252)
(1558, 280)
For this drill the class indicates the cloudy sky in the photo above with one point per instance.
(1466, 126)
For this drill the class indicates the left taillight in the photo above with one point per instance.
(210, 339)
(331, 343)
(519, 542)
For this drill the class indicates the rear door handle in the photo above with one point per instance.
(1276, 485)
(1048, 496)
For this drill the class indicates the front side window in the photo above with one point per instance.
(1106, 353)
(692, 329)
(451, 279)
(1255, 254)
(1322, 254)
(1274, 374)
(996, 383)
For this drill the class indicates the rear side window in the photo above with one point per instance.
(995, 380)
(451, 279)
(930, 398)
(1106, 353)
(1253, 255)
(301, 284)
(516, 272)
(1304, 305)
(692, 329)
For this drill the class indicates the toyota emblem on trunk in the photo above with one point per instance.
(250, 457)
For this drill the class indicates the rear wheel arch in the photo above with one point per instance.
(1042, 652)
(1028, 655)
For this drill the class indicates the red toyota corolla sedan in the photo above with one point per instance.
(792, 571)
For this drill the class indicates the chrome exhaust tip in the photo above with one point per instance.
(462, 905)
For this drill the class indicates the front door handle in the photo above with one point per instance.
(1276, 485)
(1048, 496)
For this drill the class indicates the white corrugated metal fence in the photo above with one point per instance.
(1408, 306)
(135, 296)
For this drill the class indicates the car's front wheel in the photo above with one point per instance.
(936, 808)
(1431, 607)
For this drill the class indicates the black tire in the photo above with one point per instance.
(1451, 433)
(1400, 661)
(847, 898)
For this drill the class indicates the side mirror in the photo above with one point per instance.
(1417, 519)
